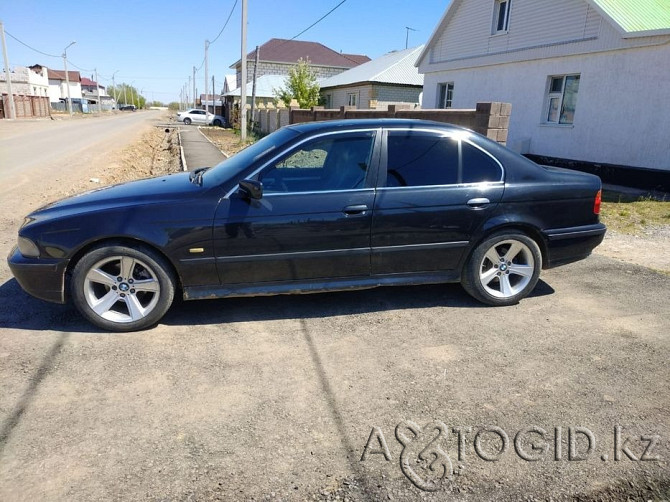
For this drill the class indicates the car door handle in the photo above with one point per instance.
(478, 202)
(355, 209)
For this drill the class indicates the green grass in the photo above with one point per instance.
(632, 215)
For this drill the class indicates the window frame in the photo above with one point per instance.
(355, 100)
(461, 137)
(551, 95)
(370, 178)
(497, 8)
(445, 101)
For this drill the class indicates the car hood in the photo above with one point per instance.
(140, 192)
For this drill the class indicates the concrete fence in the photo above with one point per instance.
(488, 119)
(26, 106)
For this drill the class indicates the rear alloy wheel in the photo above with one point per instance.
(503, 269)
(122, 289)
(187, 121)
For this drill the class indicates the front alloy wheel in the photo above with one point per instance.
(503, 269)
(122, 289)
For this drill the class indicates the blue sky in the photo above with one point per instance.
(156, 44)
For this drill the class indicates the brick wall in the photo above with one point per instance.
(488, 119)
(26, 106)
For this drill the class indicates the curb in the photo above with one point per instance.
(205, 136)
(181, 151)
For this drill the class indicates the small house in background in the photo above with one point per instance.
(58, 85)
(391, 79)
(588, 80)
(278, 56)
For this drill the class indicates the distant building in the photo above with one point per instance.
(391, 79)
(26, 81)
(58, 85)
(278, 56)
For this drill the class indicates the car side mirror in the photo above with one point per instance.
(252, 189)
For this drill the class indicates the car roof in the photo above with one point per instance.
(330, 125)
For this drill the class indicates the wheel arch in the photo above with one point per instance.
(525, 228)
(117, 241)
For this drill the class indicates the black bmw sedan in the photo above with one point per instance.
(314, 207)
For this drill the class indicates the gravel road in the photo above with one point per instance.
(276, 398)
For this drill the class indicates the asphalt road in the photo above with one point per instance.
(275, 398)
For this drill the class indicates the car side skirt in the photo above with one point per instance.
(319, 286)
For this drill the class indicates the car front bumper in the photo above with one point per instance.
(566, 245)
(39, 277)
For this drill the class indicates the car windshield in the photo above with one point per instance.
(240, 161)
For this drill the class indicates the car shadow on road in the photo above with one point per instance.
(18, 310)
(319, 305)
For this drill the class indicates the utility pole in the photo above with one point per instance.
(12, 108)
(206, 68)
(116, 103)
(125, 96)
(97, 86)
(407, 35)
(243, 88)
(194, 87)
(67, 78)
(253, 89)
(213, 97)
(188, 89)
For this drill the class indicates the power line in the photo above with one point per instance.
(31, 48)
(319, 20)
(226, 23)
(77, 67)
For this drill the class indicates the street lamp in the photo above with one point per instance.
(67, 77)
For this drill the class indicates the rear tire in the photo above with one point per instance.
(503, 269)
(119, 288)
(218, 123)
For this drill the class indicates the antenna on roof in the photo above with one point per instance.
(407, 35)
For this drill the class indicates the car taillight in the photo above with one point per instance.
(596, 203)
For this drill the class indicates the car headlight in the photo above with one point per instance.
(28, 248)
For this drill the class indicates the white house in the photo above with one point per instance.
(58, 85)
(27, 81)
(589, 80)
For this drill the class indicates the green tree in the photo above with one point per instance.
(301, 85)
(174, 105)
(127, 95)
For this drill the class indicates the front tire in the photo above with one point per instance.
(218, 123)
(187, 121)
(119, 288)
(503, 269)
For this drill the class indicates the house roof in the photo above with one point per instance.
(396, 67)
(636, 17)
(631, 18)
(265, 86)
(278, 50)
(229, 82)
(90, 83)
(73, 76)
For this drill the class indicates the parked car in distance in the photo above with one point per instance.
(196, 116)
(127, 108)
(314, 207)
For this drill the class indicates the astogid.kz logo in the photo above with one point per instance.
(425, 462)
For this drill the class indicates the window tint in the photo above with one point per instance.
(420, 159)
(337, 162)
(478, 166)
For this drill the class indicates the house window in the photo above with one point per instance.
(329, 100)
(562, 99)
(352, 99)
(501, 16)
(445, 95)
